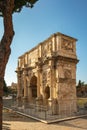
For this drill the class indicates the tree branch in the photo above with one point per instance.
(1, 6)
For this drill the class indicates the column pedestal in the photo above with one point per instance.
(39, 102)
(50, 105)
(19, 102)
(25, 102)
(54, 107)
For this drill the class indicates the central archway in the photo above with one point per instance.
(33, 85)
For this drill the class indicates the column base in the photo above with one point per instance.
(39, 102)
(50, 105)
(19, 102)
(25, 102)
(53, 106)
(50, 102)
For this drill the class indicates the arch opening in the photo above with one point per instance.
(33, 85)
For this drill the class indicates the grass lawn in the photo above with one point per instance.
(81, 101)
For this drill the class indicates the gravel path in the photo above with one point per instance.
(14, 121)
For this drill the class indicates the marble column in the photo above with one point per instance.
(19, 88)
(25, 88)
(52, 100)
(25, 98)
(39, 98)
(19, 91)
(38, 83)
(51, 78)
(51, 83)
(29, 92)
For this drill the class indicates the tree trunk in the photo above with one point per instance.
(1, 102)
(5, 43)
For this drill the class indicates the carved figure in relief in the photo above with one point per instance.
(44, 77)
(50, 46)
(44, 51)
(48, 74)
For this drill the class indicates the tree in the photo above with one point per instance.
(5, 88)
(80, 84)
(7, 9)
(81, 89)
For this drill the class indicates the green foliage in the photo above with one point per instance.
(80, 84)
(18, 5)
(81, 89)
(81, 101)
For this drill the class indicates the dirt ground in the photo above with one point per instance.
(14, 121)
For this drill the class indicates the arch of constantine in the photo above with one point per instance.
(47, 73)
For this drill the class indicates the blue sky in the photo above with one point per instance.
(47, 17)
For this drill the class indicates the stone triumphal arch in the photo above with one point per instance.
(47, 73)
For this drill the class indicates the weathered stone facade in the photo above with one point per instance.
(47, 73)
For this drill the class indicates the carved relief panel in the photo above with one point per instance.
(64, 70)
(67, 71)
(67, 45)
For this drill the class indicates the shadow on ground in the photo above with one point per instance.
(9, 115)
(6, 126)
(75, 123)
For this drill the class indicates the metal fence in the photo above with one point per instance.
(46, 112)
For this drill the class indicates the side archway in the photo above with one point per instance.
(33, 85)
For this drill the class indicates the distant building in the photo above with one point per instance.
(14, 86)
(47, 73)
